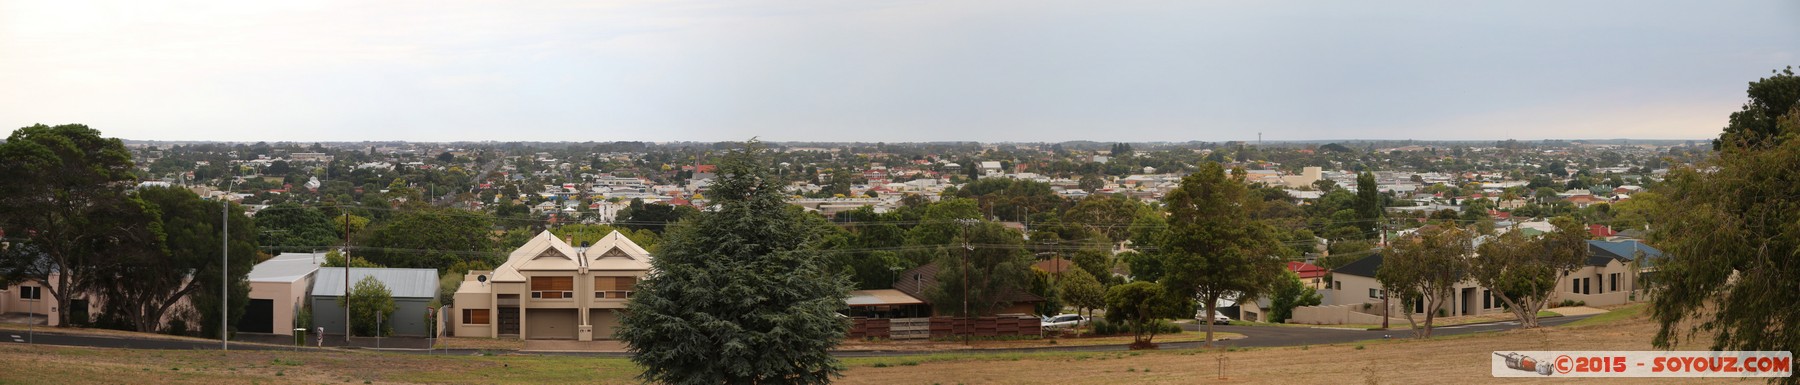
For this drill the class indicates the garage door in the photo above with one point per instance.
(259, 317)
(551, 324)
(605, 322)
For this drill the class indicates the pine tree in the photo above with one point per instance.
(736, 294)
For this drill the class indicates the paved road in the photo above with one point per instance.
(1293, 336)
(1255, 336)
(53, 338)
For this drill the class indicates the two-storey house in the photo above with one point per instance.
(549, 289)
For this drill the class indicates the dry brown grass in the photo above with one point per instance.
(1458, 360)
(1454, 360)
(940, 345)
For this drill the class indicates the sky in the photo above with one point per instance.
(888, 71)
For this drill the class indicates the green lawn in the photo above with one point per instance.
(1612, 316)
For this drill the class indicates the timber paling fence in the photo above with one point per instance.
(944, 327)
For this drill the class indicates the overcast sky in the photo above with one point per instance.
(887, 70)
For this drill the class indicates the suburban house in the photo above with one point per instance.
(549, 289)
(278, 289)
(1310, 275)
(1355, 284)
(412, 289)
(913, 283)
(30, 298)
(33, 299)
(1611, 274)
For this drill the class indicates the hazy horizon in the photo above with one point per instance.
(898, 71)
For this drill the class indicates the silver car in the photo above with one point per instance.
(1065, 321)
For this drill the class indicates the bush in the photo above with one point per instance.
(1102, 327)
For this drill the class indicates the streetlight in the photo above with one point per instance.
(225, 272)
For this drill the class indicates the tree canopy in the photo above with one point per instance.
(1422, 268)
(430, 238)
(738, 295)
(1212, 248)
(1729, 229)
(64, 195)
(1522, 272)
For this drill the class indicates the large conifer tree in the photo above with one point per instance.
(737, 294)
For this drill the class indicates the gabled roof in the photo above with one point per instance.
(1364, 267)
(1601, 252)
(509, 270)
(547, 252)
(1306, 270)
(616, 252)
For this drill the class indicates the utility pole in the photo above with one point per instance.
(225, 272)
(1384, 295)
(346, 278)
(965, 284)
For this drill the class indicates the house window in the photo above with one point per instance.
(1487, 299)
(1587, 286)
(1613, 282)
(31, 292)
(553, 287)
(1337, 285)
(1575, 285)
(1373, 293)
(614, 287)
(475, 316)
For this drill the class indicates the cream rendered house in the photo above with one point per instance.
(548, 289)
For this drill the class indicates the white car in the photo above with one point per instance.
(1064, 321)
(1218, 318)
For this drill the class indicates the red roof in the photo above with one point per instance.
(1306, 270)
(1601, 231)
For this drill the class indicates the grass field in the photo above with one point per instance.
(1456, 359)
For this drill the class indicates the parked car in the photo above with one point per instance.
(1218, 318)
(1064, 321)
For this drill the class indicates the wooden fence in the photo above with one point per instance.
(943, 327)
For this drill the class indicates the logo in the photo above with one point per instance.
(1742, 364)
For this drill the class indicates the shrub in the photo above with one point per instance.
(1102, 327)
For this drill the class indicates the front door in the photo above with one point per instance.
(509, 320)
